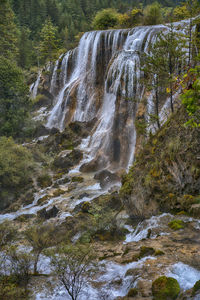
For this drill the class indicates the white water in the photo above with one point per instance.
(184, 274)
(34, 86)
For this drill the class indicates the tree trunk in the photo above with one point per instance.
(36, 263)
(157, 109)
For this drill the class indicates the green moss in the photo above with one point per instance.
(165, 288)
(159, 252)
(85, 207)
(77, 179)
(43, 200)
(196, 288)
(176, 224)
(132, 292)
(145, 251)
(58, 192)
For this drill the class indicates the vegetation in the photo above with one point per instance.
(196, 288)
(40, 238)
(16, 169)
(105, 19)
(164, 288)
(176, 224)
(74, 266)
(14, 102)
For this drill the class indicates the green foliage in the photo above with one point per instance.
(152, 14)
(49, 43)
(44, 180)
(196, 288)
(14, 103)
(105, 19)
(176, 224)
(8, 31)
(16, 168)
(164, 288)
(191, 101)
(7, 234)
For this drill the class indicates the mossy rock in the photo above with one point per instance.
(196, 288)
(58, 192)
(176, 224)
(145, 251)
(77, 179)
(159, 252)
(165, 288)
(86, 207)
(132, 292)
(43, 200)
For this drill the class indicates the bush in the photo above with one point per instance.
(105, 19)
(164, 288)
(152, 14)
(16, 167)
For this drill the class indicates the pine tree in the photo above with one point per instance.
(8, 31)
(49, 43)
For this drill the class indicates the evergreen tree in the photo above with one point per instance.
(8, 31)
(14, 103)
(49, 43)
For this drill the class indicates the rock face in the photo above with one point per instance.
(106, 178)
(68, 158)
(165, 175)
(48, 214)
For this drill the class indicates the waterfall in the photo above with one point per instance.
(34, 86)
(101, 80)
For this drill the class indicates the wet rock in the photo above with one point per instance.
(144, 287)
(83, 196)
(105, 177)
(67, 159)
(195, 210)
(82, 128)
(48, 214)
(41, 130)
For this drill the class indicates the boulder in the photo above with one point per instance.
(67, 159)
(195, 210)
(106, 178)
(48, 214)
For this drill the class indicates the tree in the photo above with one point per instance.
(191, 95)
(49, 43)
(105, 19)
(74, 266)
(8, 31)
(40, 237)
(171, 45)
(14, 101)
(152, 14)
(154, 76)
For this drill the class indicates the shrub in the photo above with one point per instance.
(16, 168)
(106, 18)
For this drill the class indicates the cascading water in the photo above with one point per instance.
(101, 79)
